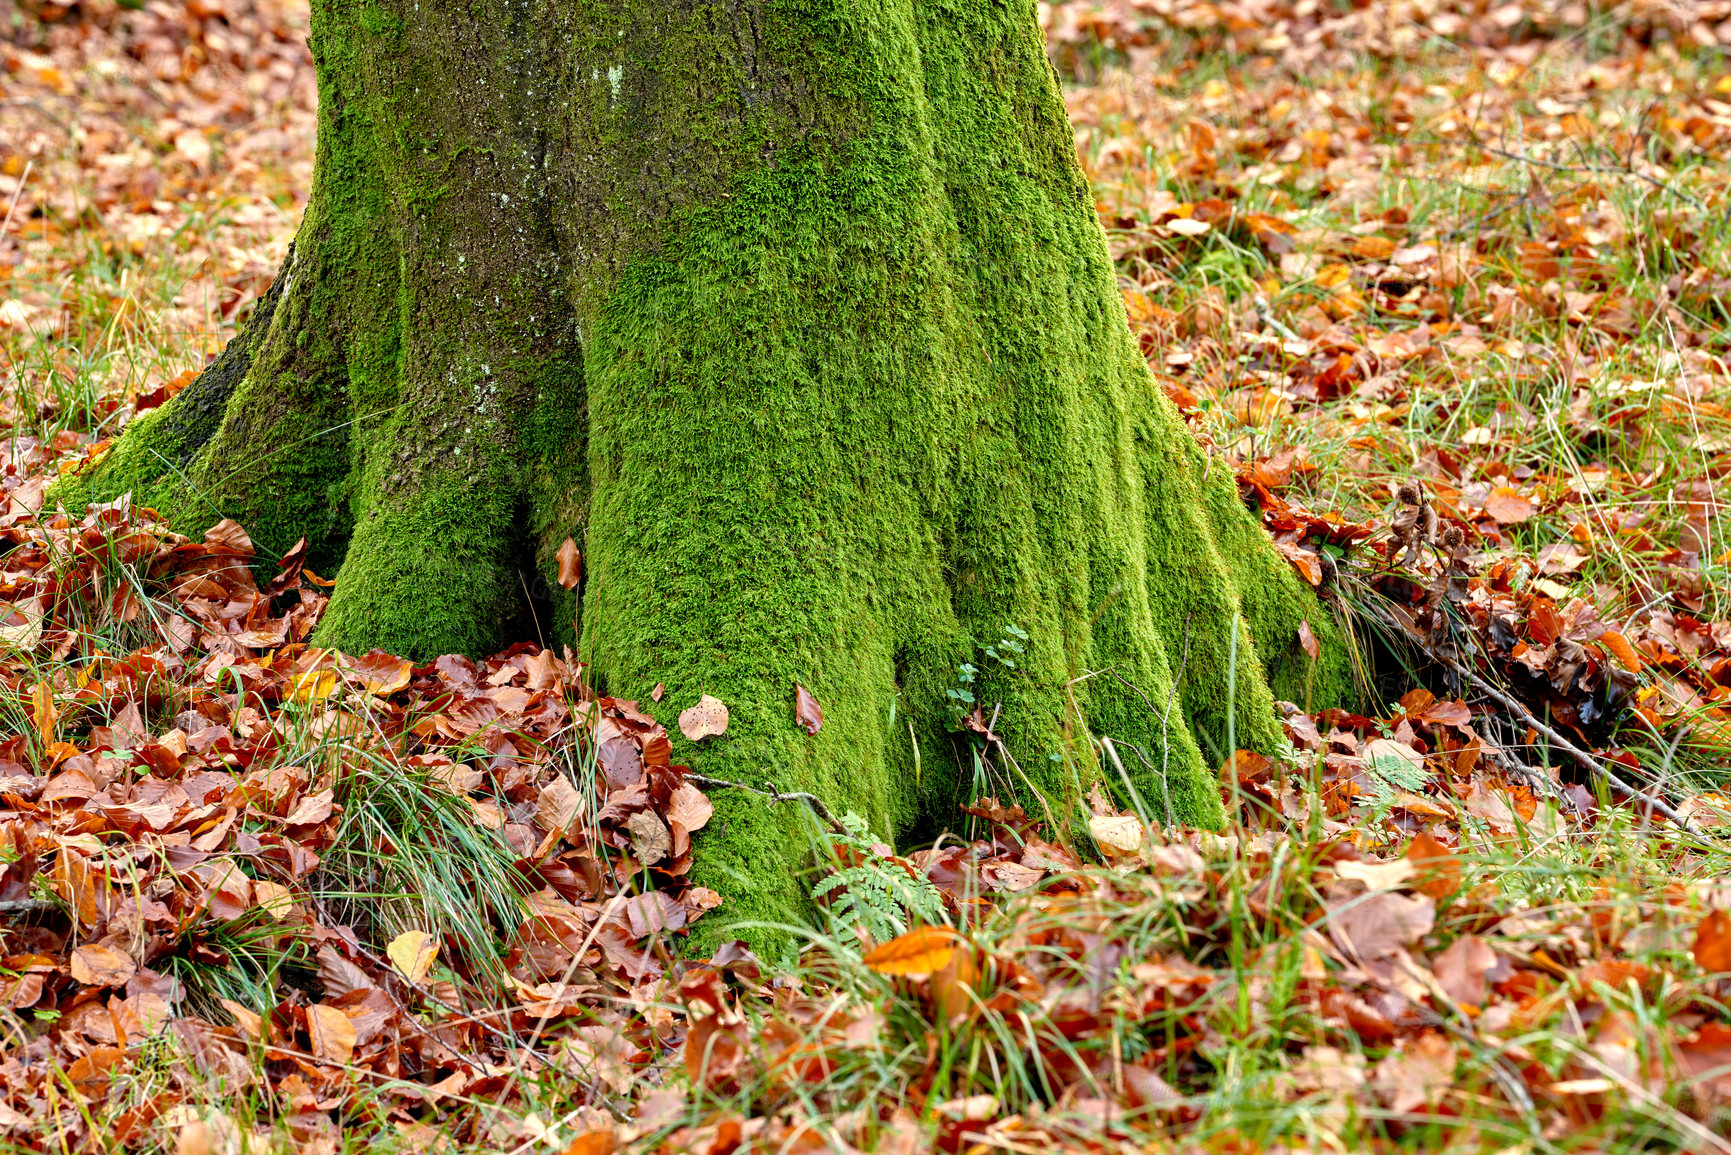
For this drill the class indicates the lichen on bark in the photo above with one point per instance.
(800, 320)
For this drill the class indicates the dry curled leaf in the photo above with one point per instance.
(650, 839)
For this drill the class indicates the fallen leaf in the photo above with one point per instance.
(43, 711)
(570, 564)
(921, 951)
(1460, 970)
(1117, 834)
(689, 807)
(559, 806)
(650, 839)
(1507, 506)
(412, 953)
(806, 710)
(101, 966)
(380, 673)
(332, 1033)
(1438, 871)
(705, 720)
(1307, 639)
(1376, 925)
(1712, 949)
(1378, 875)
(1620, 649)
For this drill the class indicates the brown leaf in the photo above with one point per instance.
(332, 1032)
(689, 807)
(705, 720)
(227, 537)
(101, 966)
(921, 951)
(1460, 970)
(1507, 506)
(570, 564)
(657, 692)
(650, 839)
(1376, 926)
(1307, 639)
(806, 710)
(559, 806)
(1418, 1075)
(1712, 949)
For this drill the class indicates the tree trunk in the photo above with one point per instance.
(796, 315)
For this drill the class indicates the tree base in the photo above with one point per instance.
(805, 329)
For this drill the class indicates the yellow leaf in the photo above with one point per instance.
(412, 953)
(44, 711)
(333, 1035)
(314, 685)
(919, 952)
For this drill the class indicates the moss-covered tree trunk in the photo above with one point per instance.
(796, 315)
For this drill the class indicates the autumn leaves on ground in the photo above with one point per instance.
(1444, 284)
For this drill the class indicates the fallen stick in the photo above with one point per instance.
(775, 795)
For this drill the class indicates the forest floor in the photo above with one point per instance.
(1444, 283)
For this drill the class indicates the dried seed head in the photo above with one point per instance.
(1408, 493)
(1454, 537)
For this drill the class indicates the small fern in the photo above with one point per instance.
(880, 896)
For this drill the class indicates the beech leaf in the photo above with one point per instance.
(570, 560)
(806, 711)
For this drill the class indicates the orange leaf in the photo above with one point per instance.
(43, 710)
(921, 951)
(1713, 943)
(332, 1033)
(101, 966)
(1508, 506)
(1439, 870)
(1621, 650)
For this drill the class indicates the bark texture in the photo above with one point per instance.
(797, 316)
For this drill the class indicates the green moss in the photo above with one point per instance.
(803, 325)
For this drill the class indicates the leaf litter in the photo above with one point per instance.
(1491, 425)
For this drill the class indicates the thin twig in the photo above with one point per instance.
(27, 905)
(775, 795)
(1598, 169)
(1591, 764)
